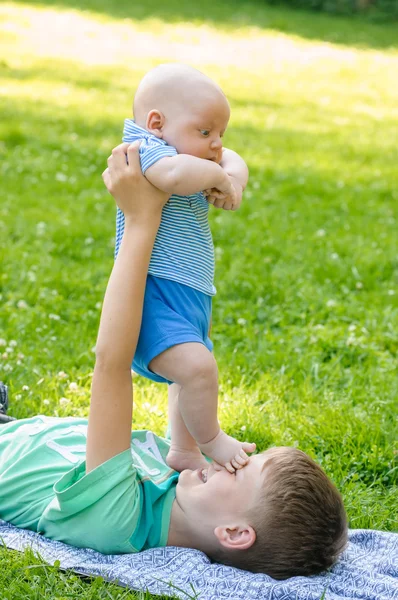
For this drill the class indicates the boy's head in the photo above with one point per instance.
(279, 515)
(185, 108)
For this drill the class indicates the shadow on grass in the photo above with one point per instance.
(233, 14)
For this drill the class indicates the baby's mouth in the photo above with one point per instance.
(204, 475)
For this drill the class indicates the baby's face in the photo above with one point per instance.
(199, 130)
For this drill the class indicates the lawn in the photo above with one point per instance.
(305, 321)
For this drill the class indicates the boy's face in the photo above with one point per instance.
(199, 130)
(221, 497)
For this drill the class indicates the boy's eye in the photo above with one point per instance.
(205, 132)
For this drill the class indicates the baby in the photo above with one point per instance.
(180, 116)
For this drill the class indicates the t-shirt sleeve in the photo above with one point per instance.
(98, 510)
(153, 150)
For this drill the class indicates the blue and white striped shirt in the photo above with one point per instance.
(183, 249)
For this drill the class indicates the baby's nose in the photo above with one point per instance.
(216, 143)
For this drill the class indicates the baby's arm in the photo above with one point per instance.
(236, 168)
(185, 174)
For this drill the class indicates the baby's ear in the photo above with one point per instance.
(236, 537)
(155, 123)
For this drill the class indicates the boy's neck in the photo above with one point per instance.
(183, 534)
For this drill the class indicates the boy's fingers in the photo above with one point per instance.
(117, 161)
(132, 151)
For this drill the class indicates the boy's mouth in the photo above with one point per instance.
(203, 475)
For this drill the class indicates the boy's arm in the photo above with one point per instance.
(184, 174)
(109, 425)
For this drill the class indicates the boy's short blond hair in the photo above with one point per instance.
(300, 521)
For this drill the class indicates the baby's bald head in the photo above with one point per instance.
(171, 88)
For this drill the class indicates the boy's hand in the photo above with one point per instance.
(226, 201)
(134, 195)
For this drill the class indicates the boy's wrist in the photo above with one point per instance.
(149, 221)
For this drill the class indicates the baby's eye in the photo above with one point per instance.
(205, 132)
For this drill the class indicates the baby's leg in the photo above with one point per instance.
(184, 452)
(194, 368)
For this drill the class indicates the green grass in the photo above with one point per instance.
(305, 320)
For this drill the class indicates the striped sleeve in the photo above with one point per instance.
(152, 150)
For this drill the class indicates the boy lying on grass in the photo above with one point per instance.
(96, 484)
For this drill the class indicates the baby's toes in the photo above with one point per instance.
(229, 467)
(236, 465)
(242, 458)
(248, 447)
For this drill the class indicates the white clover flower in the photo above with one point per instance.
(62, 375)
(359, 285)
(25, 388)
(391, 292)
(88, 241)
(73, 386)
(41, 226)
(61, 177)
(4, 355)
(54, 317)
(334, 256)
(3, 342)
(18, 396)
(331, 303)
(243, 428)
(46, 402)
(63, 401)
(12, 343)
(22, 304)
(9, 349)
(241, 321)
(320, 233)
(7, 367)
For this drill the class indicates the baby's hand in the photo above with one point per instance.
(226, 201)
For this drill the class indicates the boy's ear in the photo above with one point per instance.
(236, 537)
(155, 122)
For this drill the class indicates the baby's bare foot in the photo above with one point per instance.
(179, 459)
(227, 451)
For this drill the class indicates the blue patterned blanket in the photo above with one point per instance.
(368, 570)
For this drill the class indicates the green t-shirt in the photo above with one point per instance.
(122, 506)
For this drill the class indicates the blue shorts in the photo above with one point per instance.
(173, 314)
